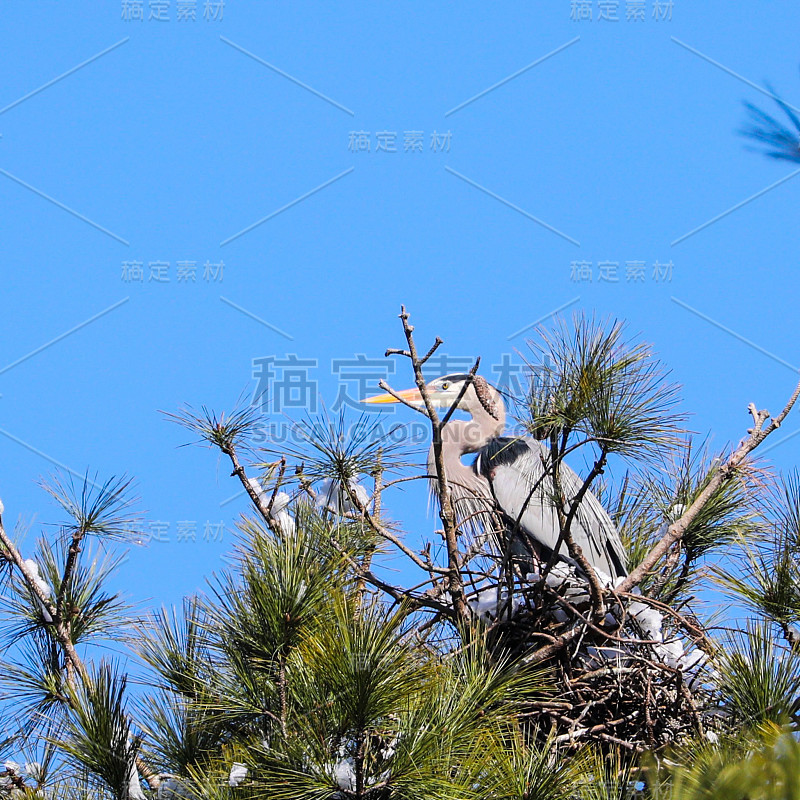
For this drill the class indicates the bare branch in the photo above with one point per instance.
(381, 530)
(385, 386)
(257, 498)
(725, 472)
(461, 393)
(430, 352)
(446, 510)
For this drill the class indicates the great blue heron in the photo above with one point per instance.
(511, 474)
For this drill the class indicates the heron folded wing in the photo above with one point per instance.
(519, 474)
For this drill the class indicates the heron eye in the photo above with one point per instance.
(446, 385)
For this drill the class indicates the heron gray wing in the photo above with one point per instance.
(594, 523)
(516, 470)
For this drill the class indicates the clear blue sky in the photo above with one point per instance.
(175, 140)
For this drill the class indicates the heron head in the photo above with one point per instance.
(460, 388)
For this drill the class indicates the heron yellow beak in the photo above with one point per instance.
(409, 395)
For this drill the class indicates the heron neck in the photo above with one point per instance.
(469, 436)
(486, 425)
(460, 437)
